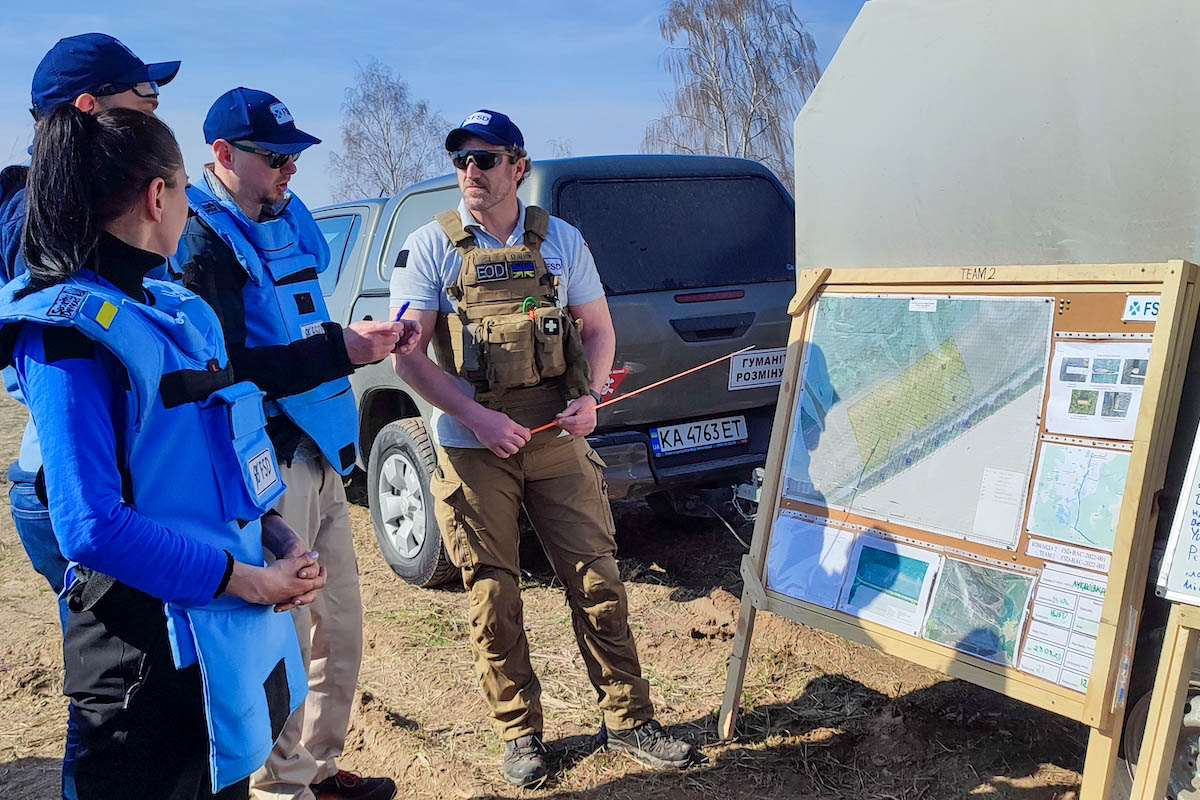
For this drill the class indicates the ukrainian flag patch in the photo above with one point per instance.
(106, 314)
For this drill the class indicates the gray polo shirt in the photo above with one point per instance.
(433, 264)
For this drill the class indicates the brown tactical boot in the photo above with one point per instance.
(526, 761)
(650, 744)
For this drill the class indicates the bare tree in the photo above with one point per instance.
(390, 139)
(559, 147)
(742, 70)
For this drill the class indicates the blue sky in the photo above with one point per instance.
(590, 73)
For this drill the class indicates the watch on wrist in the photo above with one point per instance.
(595, 396)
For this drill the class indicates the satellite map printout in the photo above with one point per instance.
(922, 410)
(979, 610)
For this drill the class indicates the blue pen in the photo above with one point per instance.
(400, 313)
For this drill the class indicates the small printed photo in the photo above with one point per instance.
(1083, 401)
(1105, 370)
(1116, 404)
(1073, 369)
(1134, 372)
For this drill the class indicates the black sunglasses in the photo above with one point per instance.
(484, 159)
(274, 160)
(145, 89)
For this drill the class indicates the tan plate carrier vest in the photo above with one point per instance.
(509, 337)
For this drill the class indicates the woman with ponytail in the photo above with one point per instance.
(157, 472)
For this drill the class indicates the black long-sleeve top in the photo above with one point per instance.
(213, 272)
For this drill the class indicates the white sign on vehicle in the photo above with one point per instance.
(757, 368)
(699, 435)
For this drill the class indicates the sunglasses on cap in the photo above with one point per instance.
(145, 89)
(484, 159)
(274, 160)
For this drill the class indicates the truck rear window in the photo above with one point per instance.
(682, 233)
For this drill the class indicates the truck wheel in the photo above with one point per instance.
(1183, 783)
(1184, 780)
(398, 471)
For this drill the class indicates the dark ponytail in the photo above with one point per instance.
(86, 172)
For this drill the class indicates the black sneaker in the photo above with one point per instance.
(348, 785)
(650, 744)
(526, 760)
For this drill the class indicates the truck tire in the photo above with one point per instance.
(1184, 782)
(401, 463)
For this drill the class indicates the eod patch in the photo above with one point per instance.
(493, 271)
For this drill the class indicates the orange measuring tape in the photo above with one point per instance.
(550, 425)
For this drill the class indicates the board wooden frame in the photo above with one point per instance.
(1103, 705)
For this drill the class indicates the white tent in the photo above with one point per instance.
(955, 132)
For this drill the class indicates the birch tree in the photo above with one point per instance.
(389, 138)
(742, 70)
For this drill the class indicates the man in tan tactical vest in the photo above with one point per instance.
(512, 302)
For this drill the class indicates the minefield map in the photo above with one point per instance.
(922, 410)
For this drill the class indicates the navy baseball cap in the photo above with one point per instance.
(83, 64)
(243, 114)
(491, 126)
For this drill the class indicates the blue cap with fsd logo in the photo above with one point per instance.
(90, 63)
(491, 126)
(243, 114)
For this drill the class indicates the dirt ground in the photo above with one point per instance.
(823, 718)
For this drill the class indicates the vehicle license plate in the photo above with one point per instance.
(701, 435)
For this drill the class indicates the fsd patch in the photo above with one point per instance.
(554, 266)
(281, 114)
(550, 326)
(262, 472)
(523, 269)
(68, 303)
(495, 271)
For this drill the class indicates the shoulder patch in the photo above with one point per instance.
(554, 266)
(401, 260)
(68, 303)
(64, 343)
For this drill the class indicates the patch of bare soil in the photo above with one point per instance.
(822, 718)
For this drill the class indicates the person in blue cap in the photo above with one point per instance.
(93, 72)
(254, 252)
(496, 267)
(158, 468)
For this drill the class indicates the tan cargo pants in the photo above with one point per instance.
(560, 480)
(330, 632)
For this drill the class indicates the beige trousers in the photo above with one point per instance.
(330, 632)
(560, 480)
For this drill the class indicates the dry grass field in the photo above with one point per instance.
(823, 718)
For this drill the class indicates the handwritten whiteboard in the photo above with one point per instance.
(1179, 575)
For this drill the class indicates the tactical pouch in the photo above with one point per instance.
(550, 331)
(242, 456)
(509, 341)
(578, 372)
(466, 348)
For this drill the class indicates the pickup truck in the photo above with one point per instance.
(695, 254)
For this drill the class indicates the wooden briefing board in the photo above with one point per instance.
(1088, 304)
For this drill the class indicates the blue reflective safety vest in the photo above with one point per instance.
(283, 258)
(199, 463)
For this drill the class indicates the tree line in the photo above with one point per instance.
(741, 71)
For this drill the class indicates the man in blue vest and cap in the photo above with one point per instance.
(254, 252)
